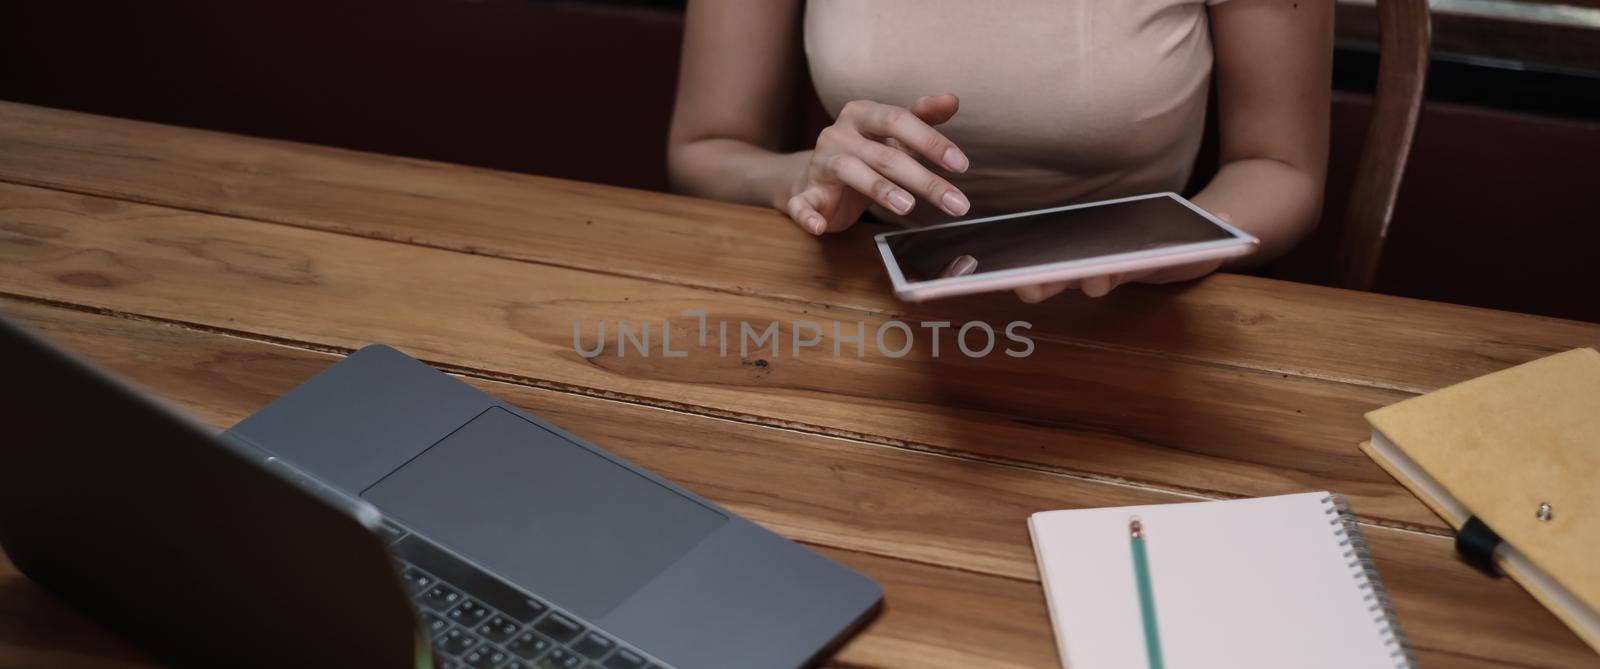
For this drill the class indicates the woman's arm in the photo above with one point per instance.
(735, 97)
(736, 85)
(1274, 63)
(1274, 70)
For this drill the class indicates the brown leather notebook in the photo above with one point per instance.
(1519, 451)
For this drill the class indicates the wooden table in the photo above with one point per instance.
(219, 271)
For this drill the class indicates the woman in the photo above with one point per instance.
(954, 108)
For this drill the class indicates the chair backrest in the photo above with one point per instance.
(1404, 34)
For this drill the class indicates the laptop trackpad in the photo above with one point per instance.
(542, 511)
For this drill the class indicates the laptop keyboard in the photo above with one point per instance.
(477, 621)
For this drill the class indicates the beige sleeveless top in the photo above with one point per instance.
(1061, 100)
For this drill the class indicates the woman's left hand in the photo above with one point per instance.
(1100, 286)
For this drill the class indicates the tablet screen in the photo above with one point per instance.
(1052, 237)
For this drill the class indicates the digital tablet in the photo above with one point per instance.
(1059, 244)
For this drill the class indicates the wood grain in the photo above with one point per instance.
(941, 510)
(1092, 413)
(255, 264)
(883, 506)
(1240, 321)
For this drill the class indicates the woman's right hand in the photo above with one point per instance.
(866, 157)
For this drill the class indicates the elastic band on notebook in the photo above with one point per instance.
(1476, 543)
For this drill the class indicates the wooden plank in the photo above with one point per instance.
(1276, 326)
(1433, 593)
(935, 617)
(867, 499)
(1214, 430)
(829, 483)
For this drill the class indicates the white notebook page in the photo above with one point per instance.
(1240, 583)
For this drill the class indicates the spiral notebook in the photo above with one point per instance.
(1270, 582)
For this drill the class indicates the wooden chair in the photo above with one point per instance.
(1404, 34)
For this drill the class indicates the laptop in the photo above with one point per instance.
(384, 514)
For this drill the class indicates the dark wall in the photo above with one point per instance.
(1497, 209)
(547, 89)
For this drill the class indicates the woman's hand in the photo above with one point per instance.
(1100, 286)
(866, 157)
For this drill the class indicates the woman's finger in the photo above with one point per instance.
(1099, 286)
(805, 213)
(961, 266)
(881, 121)
(911, 175)
(936, 109)
(1038, 293)
(853, 172)
(1181, 272)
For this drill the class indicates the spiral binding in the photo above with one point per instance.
(1364, 570)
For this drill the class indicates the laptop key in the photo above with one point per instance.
(625, 659)
(435, 624)
(498, 629)
(468, 614)
(530, 645)
(441, 597)
(559, 627)
(456, 642)
(485, 657)
(513, 604)
(493, 592)
(594, 645)
(560, 658)
(518, 664)
(416, 580)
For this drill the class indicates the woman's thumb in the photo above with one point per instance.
(936, 109)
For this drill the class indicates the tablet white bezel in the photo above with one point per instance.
(1239, 243)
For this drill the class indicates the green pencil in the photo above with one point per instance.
(1147, 595)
